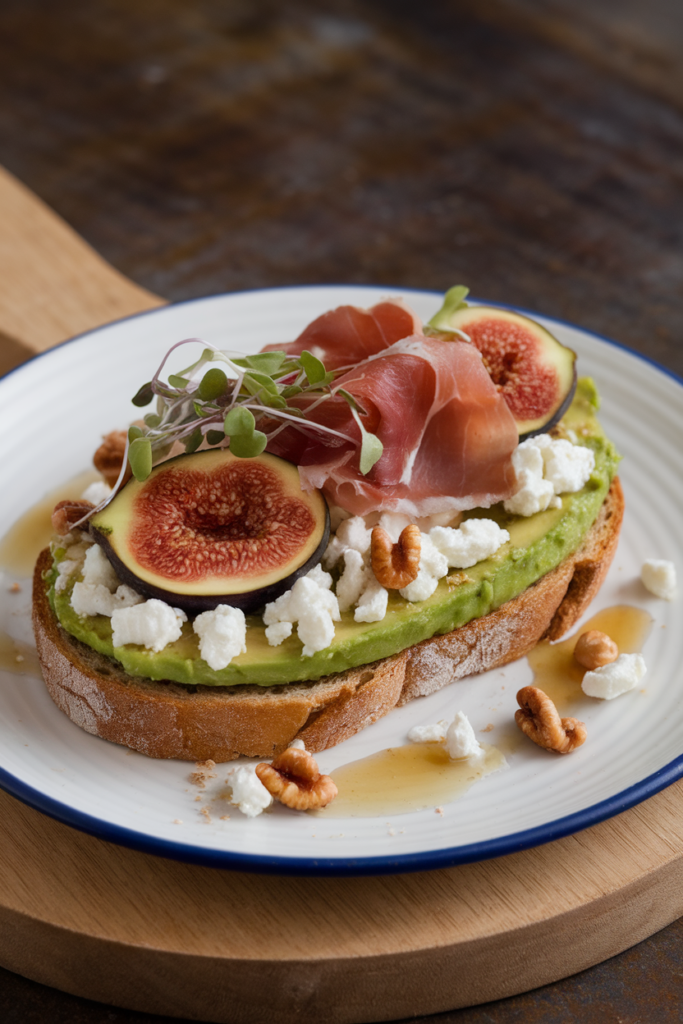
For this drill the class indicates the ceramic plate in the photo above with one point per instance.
(52, 413)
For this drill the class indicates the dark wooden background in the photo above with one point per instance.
(532, 149)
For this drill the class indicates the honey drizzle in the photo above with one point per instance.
(24, 541)
(553, 665)
(403, 779)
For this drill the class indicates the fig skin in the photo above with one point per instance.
(115, 527)
(557, 415)
(250, 602)
(535, 372)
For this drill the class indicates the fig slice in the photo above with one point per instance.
(210, 528)
(533, 370)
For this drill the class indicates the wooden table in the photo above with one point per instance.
(532, 151)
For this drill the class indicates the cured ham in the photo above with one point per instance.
(447, 432)
(348, 335)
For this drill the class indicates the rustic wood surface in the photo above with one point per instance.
(529, 148)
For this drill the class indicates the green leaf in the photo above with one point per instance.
(140, 457)
(152, 420)
(239, 421)
(265, 362)
(275, 402)
(291, 390)
(194, 440)
(178, 382)
(313, 367)
(453, 300)
(248, 446)
(256, 383)
(213, 384)
(144, 395)
(134, 432)
(371, 447)
(215, 436)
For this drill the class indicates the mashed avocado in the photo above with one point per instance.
(537, 545)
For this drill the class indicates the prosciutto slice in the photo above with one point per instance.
(447, 432)
(347, 335)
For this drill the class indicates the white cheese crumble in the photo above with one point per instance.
(351, 534)
(458, 737)
(545, 468)
(97, 569)
(429, 733)
(447, 547)
(620, 676)
(472, 542)
(372, 604)
(222, 635)
(96, 599)
(248, 792)
(152, 624)
(71, 563)
(659, 577)
(96, 492)
(314, 608)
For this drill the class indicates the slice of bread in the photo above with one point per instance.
(166, 719)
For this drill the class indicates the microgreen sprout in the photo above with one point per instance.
(440, 324)
(240, 404)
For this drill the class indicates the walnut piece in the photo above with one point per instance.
(67, 513)
(594, 649)
(540, 721)
(108, 458)
(293, 779)
(396, 565)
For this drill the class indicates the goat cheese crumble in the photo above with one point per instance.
(312, 606)
(247, 791)
(659, 577)
(545, 468)
(152, 624)
(222, 635)
(620, 676)
(458, 737)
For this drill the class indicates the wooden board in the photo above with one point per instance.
(127, 928)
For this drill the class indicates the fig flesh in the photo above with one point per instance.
(210, 528)
(533, 370)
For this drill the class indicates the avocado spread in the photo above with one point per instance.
(537, 545)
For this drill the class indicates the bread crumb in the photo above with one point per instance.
(391, 832)
(225, 817)
(438, 810)
(177, 821)
(204, 811)
(14, 589)
(203, 770)
(197, 798)
(19, 657)
(488, 728)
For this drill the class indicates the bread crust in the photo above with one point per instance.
(169, 720)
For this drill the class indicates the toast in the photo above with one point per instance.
(169, 720)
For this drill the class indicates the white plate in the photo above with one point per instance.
(52, 413)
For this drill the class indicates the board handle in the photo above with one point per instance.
(52, 284)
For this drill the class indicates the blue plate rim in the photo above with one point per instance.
(345, 866)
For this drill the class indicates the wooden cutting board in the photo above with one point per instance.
(138, 931)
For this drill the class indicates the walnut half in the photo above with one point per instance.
(396, 565)
(540, 721)
(108, 458)
(293, 779)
